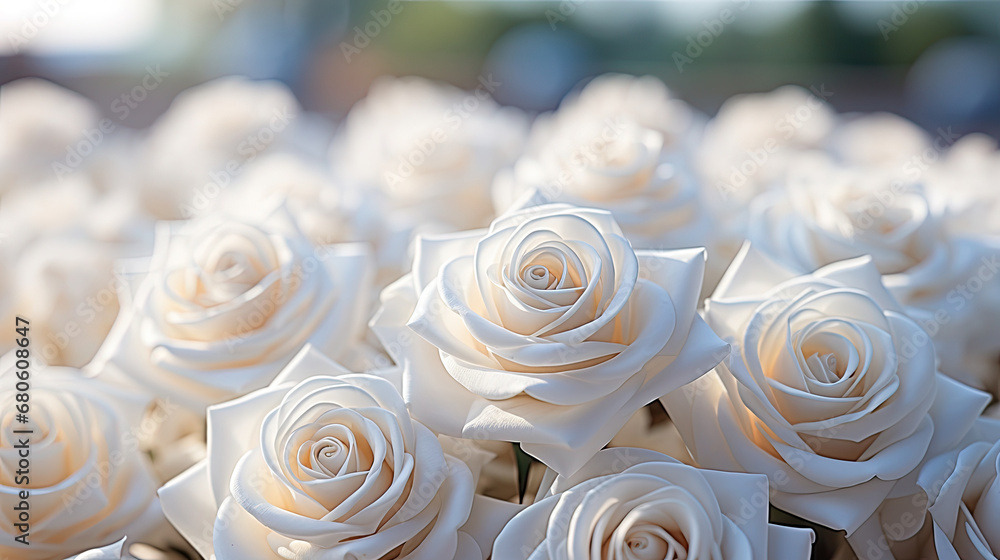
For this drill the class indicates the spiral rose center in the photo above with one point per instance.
(227, 264)
(332, 451)
(329, 454)
(539, 277)
(653, 544)
(824, 367)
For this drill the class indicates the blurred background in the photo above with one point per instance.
(937, 63)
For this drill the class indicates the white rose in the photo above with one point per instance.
(879, 140)
(88, 483)
(430, 149)
(109, 552)
(325, 212)
(547, 329)
(326, 209)
(644, 100)
(963, 490)
(830, 391)
(224, 304)
(62, 239)
(636, 504)
(40, 126)
(963, 184)
(323, 464)
(66, 287)
(195, 150)
(748, 144)
(600, 150)
(830, 213)
(952, 514)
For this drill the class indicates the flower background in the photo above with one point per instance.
(195, 195)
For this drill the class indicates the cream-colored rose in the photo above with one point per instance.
(879, 140)
(43, 131)
(547, 329)
(636, 504)
(62, 239)
(749, 143)
(326, 209)
(88, 485)
(963, 490)
(325, 212)
(618, 145)
(323, 464)
(643, 100)
(67, 289)
(223, 304)
(195, 150)
(831, 389)
(962, 184)
(952, 514)
(430, 149)
(830, 213)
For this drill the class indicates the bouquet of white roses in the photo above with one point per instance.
(621, 330)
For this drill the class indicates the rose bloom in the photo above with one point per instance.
(324, 211)
(89, 484)
(831, 390)
(599, 150)
(429, 149)
(223, 304)
(954, 515)
(326, 208)
(67, 288)
(829, 213)
(882, 140)
(323, 464)
(962, 182)
(214, 129)
(62, 239)
(749, 143)
(43, 126)
(964, 497)
(547, 329)
(637, 504)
